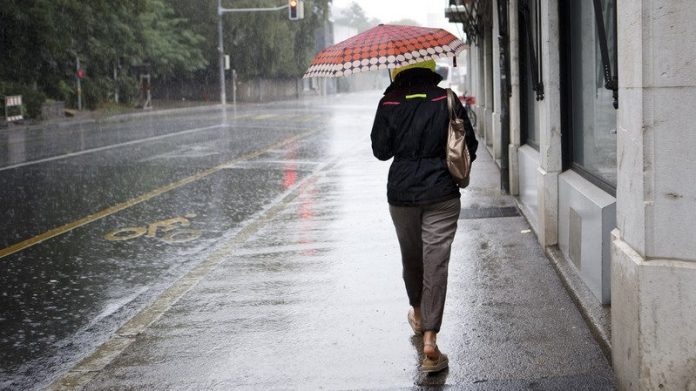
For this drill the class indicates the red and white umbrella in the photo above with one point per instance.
(384, 47)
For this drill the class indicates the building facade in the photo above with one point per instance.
(587, 108)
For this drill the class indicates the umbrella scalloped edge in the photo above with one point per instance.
(328, 62)
(326, 70)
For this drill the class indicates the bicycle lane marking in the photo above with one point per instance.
(17, 247)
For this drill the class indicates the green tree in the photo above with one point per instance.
(41, 41)
(167, 42)
(260, 44)
(46, 37)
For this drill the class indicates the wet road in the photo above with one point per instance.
(100, 219)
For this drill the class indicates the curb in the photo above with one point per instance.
(154, 112)
(106, 119)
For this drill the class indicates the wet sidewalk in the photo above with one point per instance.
(309, 296)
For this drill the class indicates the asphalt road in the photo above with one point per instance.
(99, 219)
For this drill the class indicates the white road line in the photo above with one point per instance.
(112, 146)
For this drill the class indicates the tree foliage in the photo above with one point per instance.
(260, 44)
(41, 41)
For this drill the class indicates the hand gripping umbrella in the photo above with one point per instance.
(384, 47)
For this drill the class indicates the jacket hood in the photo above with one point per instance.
(414, 77)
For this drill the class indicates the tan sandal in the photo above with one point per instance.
(432, 365)
(415, 325)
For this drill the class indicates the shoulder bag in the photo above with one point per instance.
(458, 158)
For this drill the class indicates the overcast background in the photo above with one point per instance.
(426, 13)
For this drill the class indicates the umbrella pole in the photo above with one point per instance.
(390, 78)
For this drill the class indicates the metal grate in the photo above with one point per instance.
(488, 213)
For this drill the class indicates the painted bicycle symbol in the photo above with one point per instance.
(170, 231)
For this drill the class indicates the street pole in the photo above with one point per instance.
(234, 86)
(221, 52)
(116, 82)
(221, 45)
(79, 85)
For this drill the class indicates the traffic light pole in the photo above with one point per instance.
(221, 59)
(79, 84)
(221, 43)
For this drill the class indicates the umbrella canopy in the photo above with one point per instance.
(384, 47)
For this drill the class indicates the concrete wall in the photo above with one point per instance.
(550, 123)
(488, 93)
(653, 249)
(543, 166)
(254, 90)
(528, 164)
(52, 109)
(586, 217)
(481, 92)
(496, 126)
(486, 83)
(476, 78)
(515, 129)
(263, 90)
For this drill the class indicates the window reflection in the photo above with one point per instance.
(531, 132)
(593, 114)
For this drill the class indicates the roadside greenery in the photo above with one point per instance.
(260, 44)
(41, 41)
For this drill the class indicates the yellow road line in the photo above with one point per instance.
(15, 248)
(264, 116)
(307, 118)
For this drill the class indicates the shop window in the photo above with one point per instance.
(531, 86)
(589, 106)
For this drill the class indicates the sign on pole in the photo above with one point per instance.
(14, 111)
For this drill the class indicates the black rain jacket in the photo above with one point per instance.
(411, 126)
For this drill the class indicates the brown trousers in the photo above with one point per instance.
(425, 236)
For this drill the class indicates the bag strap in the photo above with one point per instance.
(450, 104)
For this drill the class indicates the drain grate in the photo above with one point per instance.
(488, 213)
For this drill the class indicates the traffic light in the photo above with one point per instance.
(295, 9)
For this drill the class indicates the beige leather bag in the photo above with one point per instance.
(458, 158)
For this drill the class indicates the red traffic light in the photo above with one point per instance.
(80, 74)
(295, 9)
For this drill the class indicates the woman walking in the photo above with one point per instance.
(411, 126)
